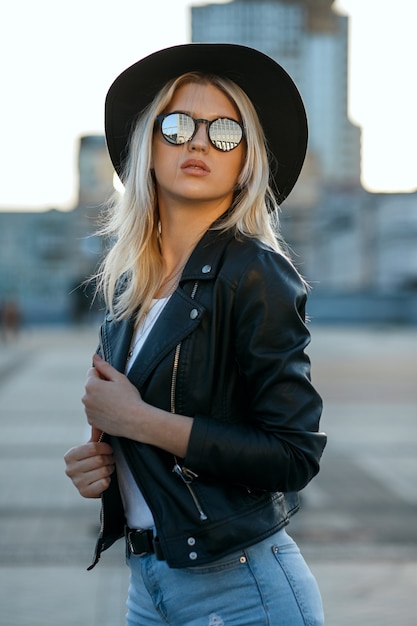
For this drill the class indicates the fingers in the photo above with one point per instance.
(88, 451)
(90, 467)
(93, 482)
(104, 369)
(110, 399)
(101, 371)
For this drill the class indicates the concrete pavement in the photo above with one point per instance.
(357, 530)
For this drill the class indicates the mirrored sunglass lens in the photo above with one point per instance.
(177, 128)
(225, 134)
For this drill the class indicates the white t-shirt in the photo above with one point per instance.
(137, 512)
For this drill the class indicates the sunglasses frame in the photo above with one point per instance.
(197, 121)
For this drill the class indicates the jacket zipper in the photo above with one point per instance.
(186, 475)
(99, 548)
(100, 439)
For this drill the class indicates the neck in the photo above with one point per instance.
(178, 239)
(173, 268)
(182, 227)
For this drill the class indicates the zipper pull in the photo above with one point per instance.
(185, 474)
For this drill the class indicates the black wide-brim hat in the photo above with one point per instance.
(269, 87)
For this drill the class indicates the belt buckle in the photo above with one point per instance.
(129, 535)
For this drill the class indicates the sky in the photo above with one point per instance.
(58, 59)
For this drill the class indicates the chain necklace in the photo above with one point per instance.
(172, 277)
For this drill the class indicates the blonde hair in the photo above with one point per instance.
(134, 261)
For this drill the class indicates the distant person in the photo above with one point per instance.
(201, 383)
(11, 318)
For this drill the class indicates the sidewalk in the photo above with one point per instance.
(357, 529)
(48, 531)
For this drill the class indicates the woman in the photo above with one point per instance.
(201, 383)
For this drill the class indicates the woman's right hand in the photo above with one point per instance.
(90, 467)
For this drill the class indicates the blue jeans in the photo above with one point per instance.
(268, 584)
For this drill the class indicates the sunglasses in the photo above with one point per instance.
(177, 128)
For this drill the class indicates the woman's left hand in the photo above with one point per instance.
(110, 399)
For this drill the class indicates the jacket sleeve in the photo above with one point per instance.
(277, 447)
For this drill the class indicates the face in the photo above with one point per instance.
(195, 173)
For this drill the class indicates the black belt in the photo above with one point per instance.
(142, 542)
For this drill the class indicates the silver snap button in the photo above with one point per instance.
(191, 541)
(206, 269)
(193, 314)
(193, 556)
(242, 559)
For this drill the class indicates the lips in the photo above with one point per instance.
(195, 166)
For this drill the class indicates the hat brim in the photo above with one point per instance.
(269, 87)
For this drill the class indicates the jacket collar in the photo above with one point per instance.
(181, 315)
(205, 259)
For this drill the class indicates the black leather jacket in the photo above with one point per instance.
(227, 350)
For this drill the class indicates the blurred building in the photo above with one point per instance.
(310, 41)
(46, 256)
(95, 174)
(357, 249)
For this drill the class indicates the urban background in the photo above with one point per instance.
(357, 527)
(358, 249)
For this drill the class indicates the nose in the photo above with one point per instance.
(200, 141)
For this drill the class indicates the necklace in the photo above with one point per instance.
(171, 280)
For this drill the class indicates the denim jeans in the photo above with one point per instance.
(268, 584)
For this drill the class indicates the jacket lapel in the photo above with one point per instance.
(115, 341)
(181, 315)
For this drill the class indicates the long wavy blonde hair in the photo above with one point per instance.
(131, 222)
